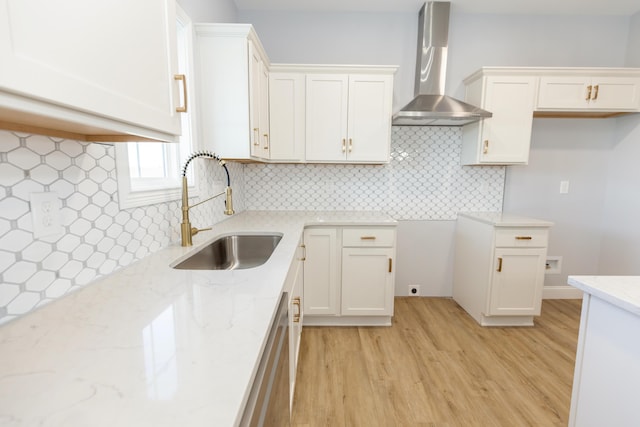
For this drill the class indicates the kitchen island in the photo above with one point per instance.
(607, 372)
(151, 345)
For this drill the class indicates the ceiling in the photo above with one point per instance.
(539, 7)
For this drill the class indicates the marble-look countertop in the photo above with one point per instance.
(500, 219)
(150, 345)
(621, 291)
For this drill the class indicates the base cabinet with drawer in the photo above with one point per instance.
(349, 275)
(499, 267)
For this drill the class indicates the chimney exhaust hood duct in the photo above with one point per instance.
(431, 107)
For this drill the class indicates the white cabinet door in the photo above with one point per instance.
(367, 281)
(254, 100)
(321, 274)
(369, 118)
(518, 278)
(575, 93)
(113, 60)
(348, 117)
(326, 117)
(263, 107)
(506, 136)
(286, 116)
(296, 316)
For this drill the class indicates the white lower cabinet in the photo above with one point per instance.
(349, 275)
(296, 315)
(499, 268)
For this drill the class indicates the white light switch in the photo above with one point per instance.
(564, 187)
(45, 214)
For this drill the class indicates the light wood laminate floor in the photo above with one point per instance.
(436, 367)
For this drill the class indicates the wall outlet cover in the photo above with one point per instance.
(414, 290)
(45, 214)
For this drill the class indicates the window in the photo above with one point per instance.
(149, 172)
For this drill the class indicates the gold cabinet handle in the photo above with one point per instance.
(297, 303)
(588, 93)
(182, 108)
(485, 147)
(390, 265)
(266, 141)
(367, 237)
(344, 145)
(256, 136)
(499, 269)
(304, 252)
(523, 237)
(596, 88)
(350, 145)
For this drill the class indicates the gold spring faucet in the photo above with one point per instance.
(186, 230)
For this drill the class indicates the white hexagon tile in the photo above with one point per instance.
(98, 236)
(423, 181)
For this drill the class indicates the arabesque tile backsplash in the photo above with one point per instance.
(423, 181)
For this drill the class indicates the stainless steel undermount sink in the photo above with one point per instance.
(233, 252)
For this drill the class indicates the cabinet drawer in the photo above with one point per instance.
(522, 237)
(368, 237)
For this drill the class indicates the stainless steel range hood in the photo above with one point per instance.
(431, 107)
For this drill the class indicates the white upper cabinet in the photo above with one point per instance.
(505, 137)
(607, 90)
(348, 116)
(86, 67)
(232, 76)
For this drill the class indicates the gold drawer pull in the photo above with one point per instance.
(304, 252)
(499, 269)
(344, 145)
(350, 145)
(182, 108)
(266, 141)
(595, 92)
(523, 237)
(485, 148)
(368, 238)
(390, 265)
(588, 93)
(256, 137)
(296, 316)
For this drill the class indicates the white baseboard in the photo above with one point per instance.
(561, 292)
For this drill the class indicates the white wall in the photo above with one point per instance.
(475, 40)
(621, 229)
(210, 10)
(575, 150)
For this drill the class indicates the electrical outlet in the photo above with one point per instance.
(414, 290)
(45, 214)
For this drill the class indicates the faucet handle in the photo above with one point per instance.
(195, 230)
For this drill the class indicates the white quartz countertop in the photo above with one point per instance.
(500, 219)
(621, 291)
(150, 345)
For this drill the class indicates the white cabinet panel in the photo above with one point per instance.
(91, 64)
(321, 274)
(326, 113)
(287, 116)
(367, 281)
(517, 283)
